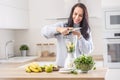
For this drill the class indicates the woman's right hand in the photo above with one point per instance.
(63, 30)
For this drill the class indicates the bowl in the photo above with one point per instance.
(84, 63)
(85, 67)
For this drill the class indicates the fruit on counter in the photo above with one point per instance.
(48, 69)
(35, 67)
(27, 69)
(43, 67)
(55, 67)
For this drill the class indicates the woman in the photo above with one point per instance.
(78, 18)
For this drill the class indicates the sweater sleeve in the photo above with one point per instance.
(85, 46)
(49, 31)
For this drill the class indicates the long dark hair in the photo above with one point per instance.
(84, 23)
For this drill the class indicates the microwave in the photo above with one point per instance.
(112, 19)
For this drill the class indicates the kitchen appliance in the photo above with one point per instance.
(112, 19)
(112, 46)
(70, 41)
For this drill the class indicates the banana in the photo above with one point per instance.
(32, 65)
(27, 69)
(40, 69)
(34, 69)
(36, 64)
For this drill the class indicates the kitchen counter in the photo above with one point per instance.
(14, 71)
(20, 74)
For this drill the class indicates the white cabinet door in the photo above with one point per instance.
(12, 15)
(15, 18)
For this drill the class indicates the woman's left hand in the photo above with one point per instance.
(77, 33)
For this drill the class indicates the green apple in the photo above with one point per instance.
(48, 69)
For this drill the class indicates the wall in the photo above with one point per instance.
(97, 36)
(95, 19)
(111, 3)
(6, 35)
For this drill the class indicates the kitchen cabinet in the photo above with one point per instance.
(14, 14)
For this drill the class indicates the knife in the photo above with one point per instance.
(71, 30)
(75, 29)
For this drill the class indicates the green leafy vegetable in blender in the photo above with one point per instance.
(70, 47)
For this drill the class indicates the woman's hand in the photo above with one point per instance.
(64, 30)
(77, 33)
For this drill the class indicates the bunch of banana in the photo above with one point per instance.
(33, 67)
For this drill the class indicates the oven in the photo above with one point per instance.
(112, 46)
